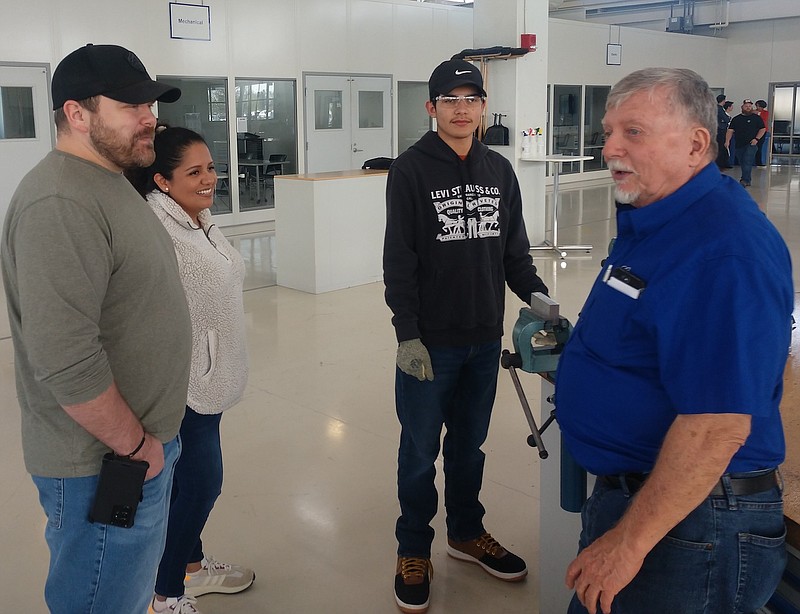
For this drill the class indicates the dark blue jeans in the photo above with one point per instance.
(195, 488)
(460, 398)
(726, 557)
(747, 157)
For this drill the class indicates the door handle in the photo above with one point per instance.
(355, 149)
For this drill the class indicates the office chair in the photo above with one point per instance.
(273, 167)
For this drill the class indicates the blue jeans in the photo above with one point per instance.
(725, 557)
(195, 488)
(460, 398)
(97, 568)
(747, 157)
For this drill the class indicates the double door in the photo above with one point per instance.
(348, 120)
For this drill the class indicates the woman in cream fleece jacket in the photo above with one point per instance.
(179, 187)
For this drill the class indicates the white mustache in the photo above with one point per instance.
(615, 165)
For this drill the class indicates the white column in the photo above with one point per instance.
(518, 88)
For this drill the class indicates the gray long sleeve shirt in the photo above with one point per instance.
(94, 297)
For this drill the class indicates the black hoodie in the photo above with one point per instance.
(454, 237)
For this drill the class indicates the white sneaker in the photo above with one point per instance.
(216, 577)
(175, 605)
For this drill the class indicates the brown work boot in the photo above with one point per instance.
(412, 584)
(489, 554)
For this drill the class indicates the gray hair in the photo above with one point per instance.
(682, 89)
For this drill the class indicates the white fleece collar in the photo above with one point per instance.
(175, 211)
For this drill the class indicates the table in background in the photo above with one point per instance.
(258, 165)
(557, 160)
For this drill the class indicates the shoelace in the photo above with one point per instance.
(489, 544)
(415, 567)
(215, 568)
(185, 605)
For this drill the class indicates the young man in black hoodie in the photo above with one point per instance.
(454, 237)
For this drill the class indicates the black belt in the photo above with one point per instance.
(740, 486)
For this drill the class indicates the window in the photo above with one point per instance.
(202, 107)
(593, 140)
(255, 100)
(16, 113)
(370, 109)
(328, 109)
(217, 104)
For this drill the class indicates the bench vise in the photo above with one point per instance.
(539, 336)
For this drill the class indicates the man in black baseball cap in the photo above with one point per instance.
(108, 70)
(102, 360)
(455, 236)
(451, 74)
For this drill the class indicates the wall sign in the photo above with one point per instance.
(189, 21)
(613, 54)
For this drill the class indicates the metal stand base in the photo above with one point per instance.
(561, 249)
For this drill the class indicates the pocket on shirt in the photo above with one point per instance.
(607, 321)
(461, 297)
(212, 344)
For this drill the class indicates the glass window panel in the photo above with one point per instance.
(592, 127)
(782, 105)
(202, 107)
(328, 109)
(269, 134)
(370, 109)
(16, 113)
(566, 124)
(413, 120)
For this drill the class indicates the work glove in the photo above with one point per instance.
(414, 360)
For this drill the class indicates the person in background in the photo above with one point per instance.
(762, 155)
(665, 390)
(179, 187)
(748, 128)
(101, 332)
(723, 119)
(454, 237)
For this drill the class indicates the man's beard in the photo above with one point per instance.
(114, 148)
(625, 198)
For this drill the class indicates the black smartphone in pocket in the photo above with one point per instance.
(119, 490)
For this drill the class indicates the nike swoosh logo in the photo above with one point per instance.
(463, 72)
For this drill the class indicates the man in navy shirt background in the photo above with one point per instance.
(669, 387)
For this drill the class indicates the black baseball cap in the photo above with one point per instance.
(453, 73)
(108, 70)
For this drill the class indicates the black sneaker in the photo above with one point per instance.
(412, 584)
(486, 552)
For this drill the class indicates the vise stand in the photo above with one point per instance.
(539, 336)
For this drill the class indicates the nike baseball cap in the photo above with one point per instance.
(453, 73)
(107, 70)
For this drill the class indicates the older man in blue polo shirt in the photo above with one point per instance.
(669, 388)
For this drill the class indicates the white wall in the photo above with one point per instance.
(249, 38)
(760, 53)
(585, 46)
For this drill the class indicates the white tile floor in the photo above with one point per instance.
(309, 497)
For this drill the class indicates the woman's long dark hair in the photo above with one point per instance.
(170, 145)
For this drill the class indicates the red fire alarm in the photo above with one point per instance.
(528, 41)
